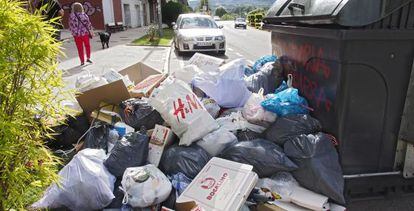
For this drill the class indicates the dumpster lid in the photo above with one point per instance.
(339, 12)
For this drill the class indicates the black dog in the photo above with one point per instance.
(105, 36)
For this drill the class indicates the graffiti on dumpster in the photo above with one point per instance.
(311, 67)
(89, 8)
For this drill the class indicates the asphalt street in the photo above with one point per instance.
(248, 43)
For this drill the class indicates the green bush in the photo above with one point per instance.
(171, 11)
(220, 12)
(30, 86)
(228, 17)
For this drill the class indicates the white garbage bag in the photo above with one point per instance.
(182, 110)
(254, 112)
(145, 186)
(226, 86)
(217, 141)
(85, 184)
(235, 122)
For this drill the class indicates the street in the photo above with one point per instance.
(250, 44)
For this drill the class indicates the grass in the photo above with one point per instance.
(164, 41)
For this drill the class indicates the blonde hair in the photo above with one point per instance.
(77, 7)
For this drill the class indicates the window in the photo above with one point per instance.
(197, 22)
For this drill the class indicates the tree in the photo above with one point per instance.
(30, 88)
(228, 17)
(171, 11)
(220, 11)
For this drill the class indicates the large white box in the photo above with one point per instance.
(222, 185)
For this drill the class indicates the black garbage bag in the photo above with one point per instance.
(68, 133)
(170, 201)
(266, 157)
(119, 196)
(131, 151)
(98, 137)
(187, 160)
(319, 169)
(138, 112)
(290, 126)
(269, 78)
(248, 135)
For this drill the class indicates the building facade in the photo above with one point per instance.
(132, 13)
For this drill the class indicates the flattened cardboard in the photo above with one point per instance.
(205, 62)
(145, 87)
(222, 185)
(115, 92)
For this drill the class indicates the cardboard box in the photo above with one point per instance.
(161, 137)
(107, 113)
(145, 87)
(115, 92)
(222, 185)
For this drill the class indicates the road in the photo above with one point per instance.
(250, 44)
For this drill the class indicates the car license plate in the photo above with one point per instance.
(204, 44)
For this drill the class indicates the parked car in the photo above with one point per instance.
(216, 18)
(240, 22)
(197, 32)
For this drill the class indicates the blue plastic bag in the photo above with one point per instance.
(263, 60)
(282, 87)
(180, 182)
(286, 102)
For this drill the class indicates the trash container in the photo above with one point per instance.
(352, 60)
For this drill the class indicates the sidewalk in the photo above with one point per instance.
(118, 38)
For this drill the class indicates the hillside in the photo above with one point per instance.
(230, 4)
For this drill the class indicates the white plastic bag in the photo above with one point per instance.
(88, 81)
(217, 141)
(254, 112)
(145, 186)
(226, 86)
(187, 73)
(182, 110)
(85, 184)
(235, 122)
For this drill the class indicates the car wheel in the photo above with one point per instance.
(245, 27)
(222, 53)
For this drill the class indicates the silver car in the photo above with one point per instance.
(196, 32)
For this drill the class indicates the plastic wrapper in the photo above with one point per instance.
(217, 141)
(290, 126)
(319, 169)
(85, 184)
(187, 160)
(131, 151)
(211, 106)
(281, 185)
(180, 182)
(145, 186)
(139, 113)
(181, 109)
(226, 86)
(266, 157)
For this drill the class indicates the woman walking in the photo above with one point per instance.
(81, 29)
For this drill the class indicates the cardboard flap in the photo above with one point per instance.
(139, 72)
(112, 93)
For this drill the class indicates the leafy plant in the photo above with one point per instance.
(152, 32)
(30, 88)
(228, 17)
(220, 11)
(171, 11)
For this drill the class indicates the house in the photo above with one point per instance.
(132, 13)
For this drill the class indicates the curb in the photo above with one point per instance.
(166, 68)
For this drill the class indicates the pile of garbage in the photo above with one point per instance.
(212, 136)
